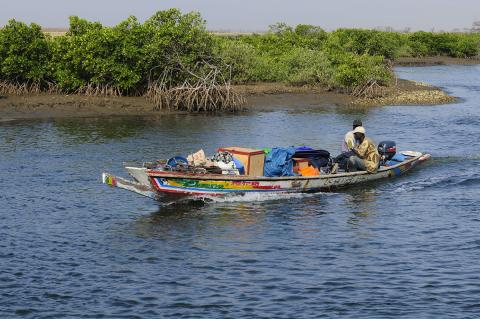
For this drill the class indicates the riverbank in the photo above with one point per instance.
(40, 106)
(435, 60)
(260, 97)
(404, 92)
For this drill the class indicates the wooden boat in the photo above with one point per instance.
(163, 184)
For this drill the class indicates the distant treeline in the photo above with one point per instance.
(344, 58)
(172, 50)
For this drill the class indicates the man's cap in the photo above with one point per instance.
(359, 129)
(357, 123)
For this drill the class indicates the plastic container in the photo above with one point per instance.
(309, 171)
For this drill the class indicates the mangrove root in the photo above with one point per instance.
(99, 90)
(371, 89)
(204, 94)
(9, 88)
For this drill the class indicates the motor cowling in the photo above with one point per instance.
(387, 149)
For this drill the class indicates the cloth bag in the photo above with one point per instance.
(279, 162)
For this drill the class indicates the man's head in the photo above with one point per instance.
(359, 133)
(357, 123)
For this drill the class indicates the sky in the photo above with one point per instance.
(257, 15)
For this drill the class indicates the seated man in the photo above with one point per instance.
(349, 140)
(348, 144)
(366, 154)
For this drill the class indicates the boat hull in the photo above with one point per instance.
(163, 184)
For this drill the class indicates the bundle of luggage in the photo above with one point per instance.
(268, 162)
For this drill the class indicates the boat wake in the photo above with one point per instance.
(246, 198)
(263, 197)
(442, 160)
(439, 182)
(441, 172)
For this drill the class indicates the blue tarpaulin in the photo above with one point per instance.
(279, 162)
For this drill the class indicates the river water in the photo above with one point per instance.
(71, 247)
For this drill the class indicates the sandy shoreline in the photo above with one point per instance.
(260, 97)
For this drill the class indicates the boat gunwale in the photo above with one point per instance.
(164, 174)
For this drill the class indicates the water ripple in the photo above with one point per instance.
(406, 247)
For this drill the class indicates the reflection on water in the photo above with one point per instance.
(405, 247)
(97, 130)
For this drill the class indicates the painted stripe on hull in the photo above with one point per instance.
(160, 186)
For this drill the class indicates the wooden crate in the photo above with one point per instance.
(252, 159)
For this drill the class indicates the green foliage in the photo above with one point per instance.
(129, 55)
(422, 44)
(361, 42)
(305, 66)
(92, 54)
(178, 42)
(239, 57)
(391, 45)
(352, 70)
(270, 63)
(281, 38)
(458, 45)
(176, 48)
(309, 36)
(301, 56)
(80, 26)
(24, 53)
(125, 57)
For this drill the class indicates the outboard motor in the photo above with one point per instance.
(387, 150)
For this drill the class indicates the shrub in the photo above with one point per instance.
(458, 45)
(305, 66)
(24, 53)
(172, 49)
(130, 55)
(353, 70)
(239, 57)
(369, 42)
(92, 54)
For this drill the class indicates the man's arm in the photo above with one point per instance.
(361, 149)
(350, 144)
(349, 141)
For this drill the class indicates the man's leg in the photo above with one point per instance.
(342, 159)
(355, 164)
